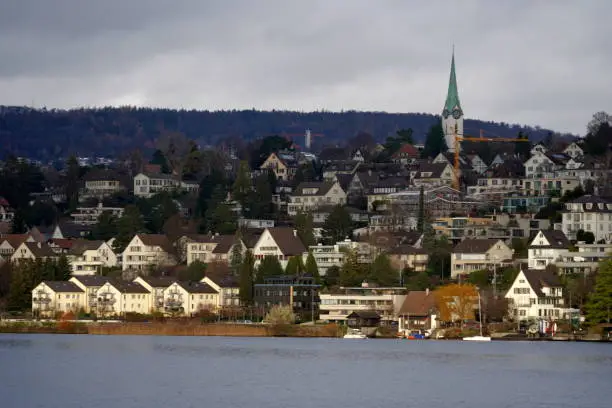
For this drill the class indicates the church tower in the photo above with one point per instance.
(452, 114)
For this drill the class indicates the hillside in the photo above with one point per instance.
(46, 134)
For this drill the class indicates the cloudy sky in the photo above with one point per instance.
(531, 62)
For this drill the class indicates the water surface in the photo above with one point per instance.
(154, 372)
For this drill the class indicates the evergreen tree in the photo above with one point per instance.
(352, 273)
(194, 272)
(260, 199)
(269, 267)
(63, 271)
(522, 149)
(23, 280)
(130, 224)
(106, 227)
(73, 173)
(305, 228)
(383, 273)
(295, 266)
(434, 142)
(236, 254)
(332, 277)
(311, 268)
(242, 185)
(19, 224)
(421, 215)
(338, 225)
(247, 277)
(160, 159)
(599, 304)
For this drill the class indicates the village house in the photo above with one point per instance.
(148, 184)
(101, 183)
(418, 312)
(228, 289)
(156, 286)
(406, 154)
(325, 257)
(52, 297)
(535, 295)
(573, 150)
(432, 174)
(279, 242)
(588, 213)
(477, 254)
(10, 242)
(33, 251)
(584, 261)
(311, 195)
(89, 257)
(6, 212)
(282, 164)
(212, 248)
(90, 285)
(546, 247)
(407, 256)
(189, 298)
(116, 298)
(550, 185)
(147, 251)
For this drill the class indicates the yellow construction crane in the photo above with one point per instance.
(475, 139)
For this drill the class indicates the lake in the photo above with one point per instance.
(154, 372)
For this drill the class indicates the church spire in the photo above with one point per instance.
(452, 97)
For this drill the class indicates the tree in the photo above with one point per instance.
(106, 227)
(402, 136)
(260, 199)
(332, 277)
(520, 247)
(457, 302)
(73, 173)
(352, 273)
(311, 267)
(599, 303)
(480, 278)
(305, 228)
(599, 119)
(434, 142)
(269, 267)
(439, 262)
(19, 224)
(25, 276)
(585, 236)
(247, 277)
(157, 210)
(338, 225)
(194, 272)
(295, 266)
(160, 160)
(280, 316)
(268, 145)
(236, 254)
(63, 271)
(522, 149)
(130, 224)
(175, 147)
(242, 185)
(382, 272)
(421, 215)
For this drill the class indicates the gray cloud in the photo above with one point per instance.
(538, 63)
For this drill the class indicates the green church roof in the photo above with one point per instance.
(452, 97)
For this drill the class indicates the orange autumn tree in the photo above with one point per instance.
(457, 302)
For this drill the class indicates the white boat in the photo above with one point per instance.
(477, 338)
(355, 334)
(481, 337)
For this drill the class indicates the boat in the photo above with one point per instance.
(481, 337)
(355, 334)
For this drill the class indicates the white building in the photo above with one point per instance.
(536, 295)
(279, 242)
(52, 297)
(148, 250)
(118, 298)
(89, 257)
(90, 215)
(188, 298)
(228, 289)
(588, 213)
(477, 254)
(335, 307)
(546, 247)
(311, 195)
(148, 184)
(90, 286)
(156, 286)
(325, 256)
(573, 150)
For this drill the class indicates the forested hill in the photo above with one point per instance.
(46, 134)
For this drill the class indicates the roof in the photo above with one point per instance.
(80, 246)
(225, 244)
(344, 180)
(539, 279)
(62, 243)
(452, 96)
(101, 175)
(4, 202)
(555, 238)
(475, 246)
(129, 287)
(159, 282)
(14, 239)
(63, 286)
(72, 230)
(322, 187)
(159, 240)
(588, 198)
(406, 250)
(364, 314)
(287, 240)
(197, 287)
(40, 250)
(407, 150)
(227, 281)
(92, 280)
(333, 154)
(418, 303)
(436, 170)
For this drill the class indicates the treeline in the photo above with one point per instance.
(47, 134)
